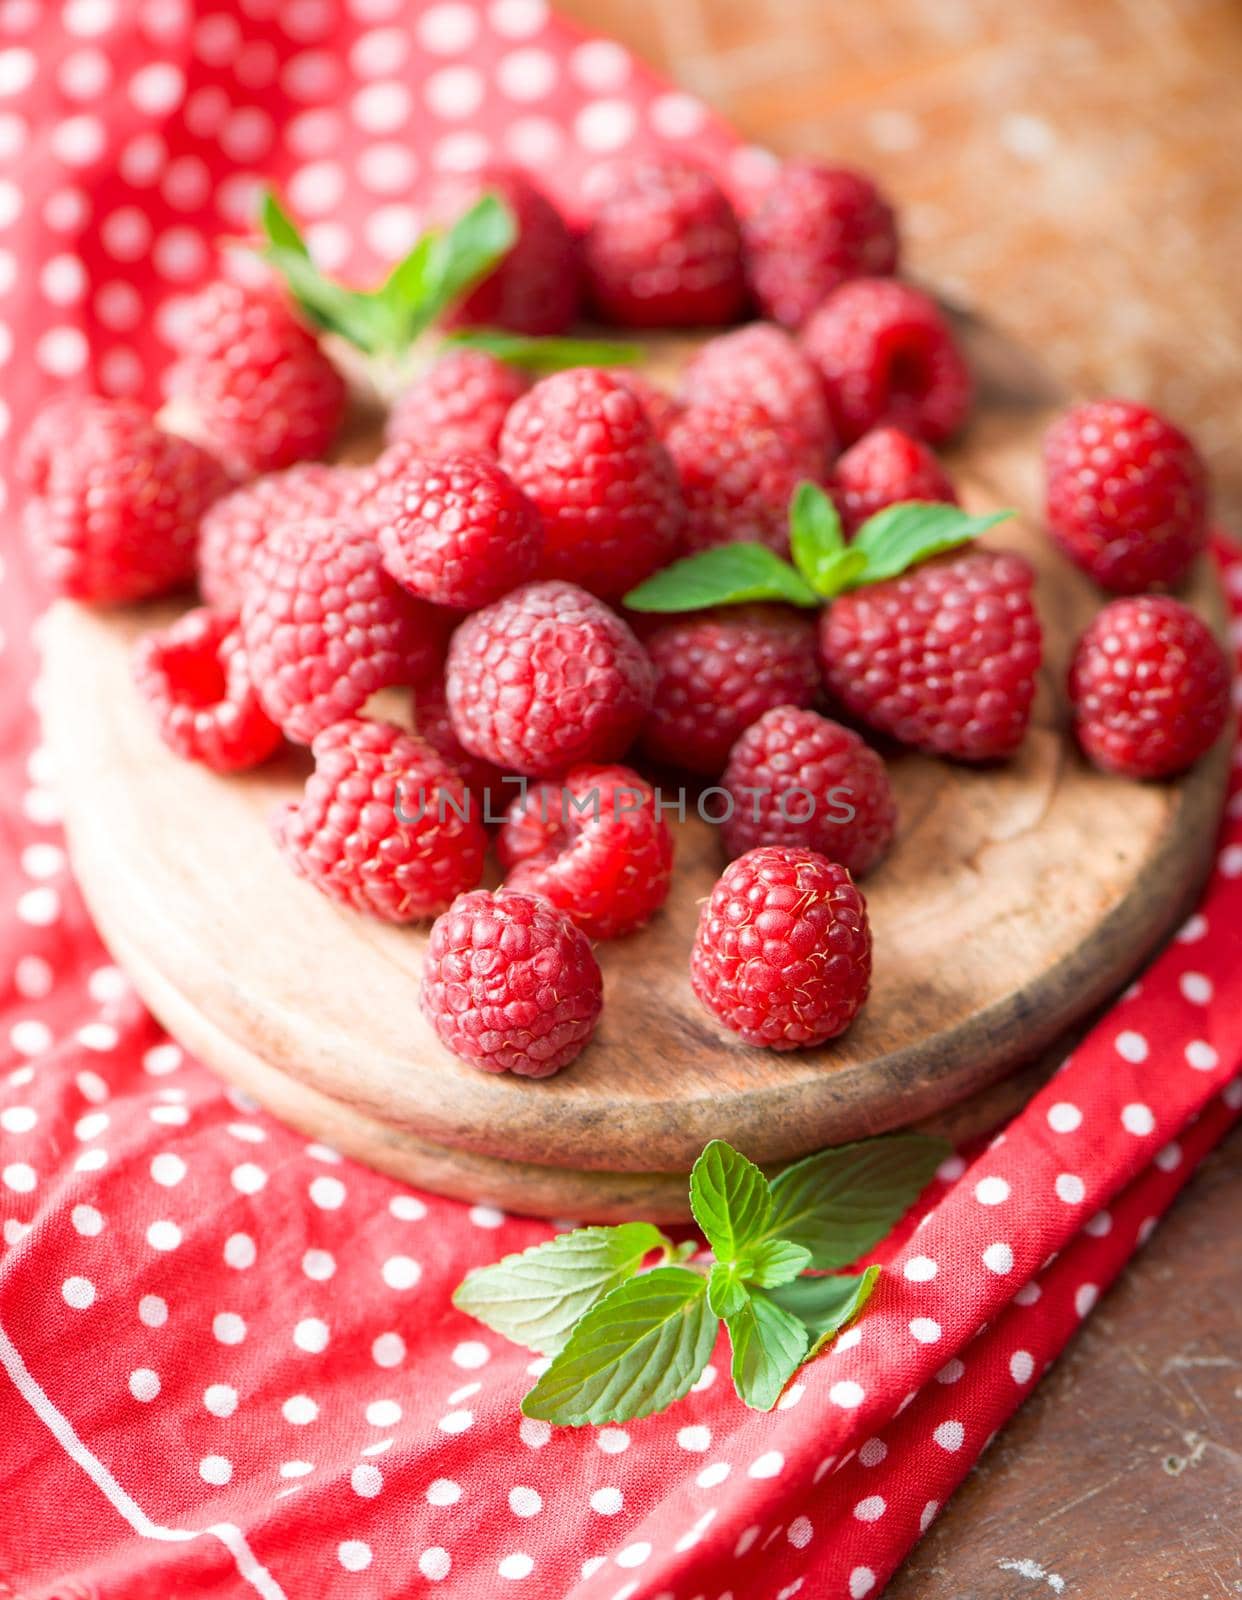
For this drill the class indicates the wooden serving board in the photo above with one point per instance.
(1017, 900)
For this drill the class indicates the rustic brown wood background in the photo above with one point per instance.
(1074, 166)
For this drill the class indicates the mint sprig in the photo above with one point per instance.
(823, 565)
(626, 1342)
(547, 353)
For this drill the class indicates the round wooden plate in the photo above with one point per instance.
(1016, 901)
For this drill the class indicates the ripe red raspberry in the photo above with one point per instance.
(235, 526)
(459, 404)
(325, 626)
(535, 288)
(888, 355)
(796, 778)
(384, 825)
(815, 227)
(942, 658)
(194, 677)
(484, 779)
(510, 984)
(1149, 686)
(783, 951)
(456, 531)
(664, 248)
(739, 470)
(581, 446)
(1126, 495)
(661, 407)
(761, 365)
(115, 501)
(262, 391)
(719, 671)
(593, 844)
(546, 678)
(885, 467)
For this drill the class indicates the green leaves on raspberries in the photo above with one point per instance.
(550, 353)
(625, 1342)
(823, 564)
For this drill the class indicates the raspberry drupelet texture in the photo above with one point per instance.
(193, 676)
(664, 248)
(594, 844)
(457, 531)
(546, 678)
(782, 956)
(261, 390)
(458, 404)
(114, 501)
(762, 365)
(484, 779)
(662, 408)
(719, 671)
(797, 778)
(581, 445)
(1149, 687)
(1127, 495)
(815, 227)
(325, 626)
(885, 467)
(887, 354)
(384, 825)
(943, 658)
(510, 984)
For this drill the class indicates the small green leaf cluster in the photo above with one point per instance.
(626, 1342)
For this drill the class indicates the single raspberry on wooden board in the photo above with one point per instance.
(460, 403)
(885, 467)
(762, 365)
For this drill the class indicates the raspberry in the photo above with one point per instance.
(262, 391)
(739, 470)
(384, 825)
(798, 779)
(194, 677)
(661, 407)
(1149, 686)
(719, 671)
(943, 658)
(546, 678)
(535, 288)
(885, 467)
(593, 844)
(431, 721)
(456, 531)
(1126, 495)
(459, 404)
(761, 365)
(510, 984)
(664, 248)
(234, 527)
(115, 500)
(815, 227)
(581, 446)
(782, 955)
(888, 355)
(325, 627)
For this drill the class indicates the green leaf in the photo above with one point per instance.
(635, 1352)
(535, 1297)
(444, 266)
(769, 1345)
(730, 1200)
(726, 1288)
(550, 354)
(777, 1261)
(279, 228)
(903, 535)
(726, 575)
(825, 1305)
(841, 1202)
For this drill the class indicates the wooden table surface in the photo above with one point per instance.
(1074, 167)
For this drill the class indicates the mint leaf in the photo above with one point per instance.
(825, 1305)
(536, 1297)
(726, 575)
(817, 542)
(777, 1261)
(635, 1352)
(730, 1199)
(726, 1288)
(550, 354)
(901, 536)
(769, 1345)
(841, 1202)
(452, 263)
(279, 228)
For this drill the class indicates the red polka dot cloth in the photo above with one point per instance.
(230, 1361)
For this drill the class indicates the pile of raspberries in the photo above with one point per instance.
(481, 561)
